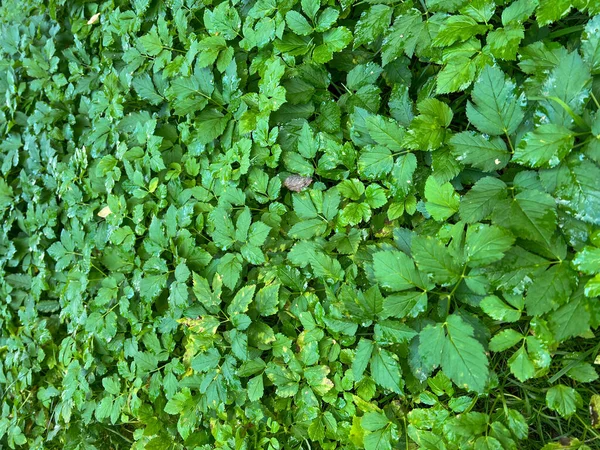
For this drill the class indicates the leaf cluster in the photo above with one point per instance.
(432, 283)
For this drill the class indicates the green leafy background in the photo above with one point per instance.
(436, 286)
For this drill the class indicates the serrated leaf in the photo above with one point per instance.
(394, 270)
(564, 400)
(442, 201)
(481, 199)
(386, 371)
(372, 24)
(488, 155)
(453, 347)
(496, 109)
(546, 146)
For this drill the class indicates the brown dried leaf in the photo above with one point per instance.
(104, 212)
(296, 182)
(93, 19)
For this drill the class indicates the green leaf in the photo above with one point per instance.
(496, 109)
(209, 125)
(406, 304)
(457, 28)
(587, 260)
(521, 365)
(590, 45)
(460, 355)
(403, 171)
(267, 300)
(285, 380)
(364, 349)
(385, 132)
(529, 215)
(223, 20)
(576, 185)
(242, 300)
(498, 310)
(481, 199)
(442, 201)
(298, 23)
(546, 146)
(317, 379)
(386, 371)
(485, 244)
(565, 97)
(144, 87)
(375, 162)
(435, 259)
(505, 339)
(550, 289)
(564, 400)
(428, 130)
(255, 388)
(310, 7)
(372, 24)
(394, 270)
(307, 229)
(393, 332)
(457, 75)
(230, 268)
(488, 155)
(504, 42)
(571, 319)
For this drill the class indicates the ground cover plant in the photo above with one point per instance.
(315, 224)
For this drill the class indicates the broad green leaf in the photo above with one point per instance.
(375, 162)
(457, 75)
(428, 130)
(485, 244)
(394, 270)
(488, 155)
(480, 200)
(372, 24)
(442, 201)
(505, 340)
(590, 45)
(385, 132)
(564, 400)
(408, 304)
(529, 215)
(571, 319)
(521, 366)
(587, 260)
(402, 172)
(392, 332)
(546, 146)
(386, 371)
(563, 98)
(364, 350)
(498, 310)
(550, 289)
(496, 109)
(452, 346)
(255, 388)
(457, 28)
(267, 300)
(298, 23)
(285, 380)
(576, 185)
(436, 260)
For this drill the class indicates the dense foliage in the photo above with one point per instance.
(433, 283)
